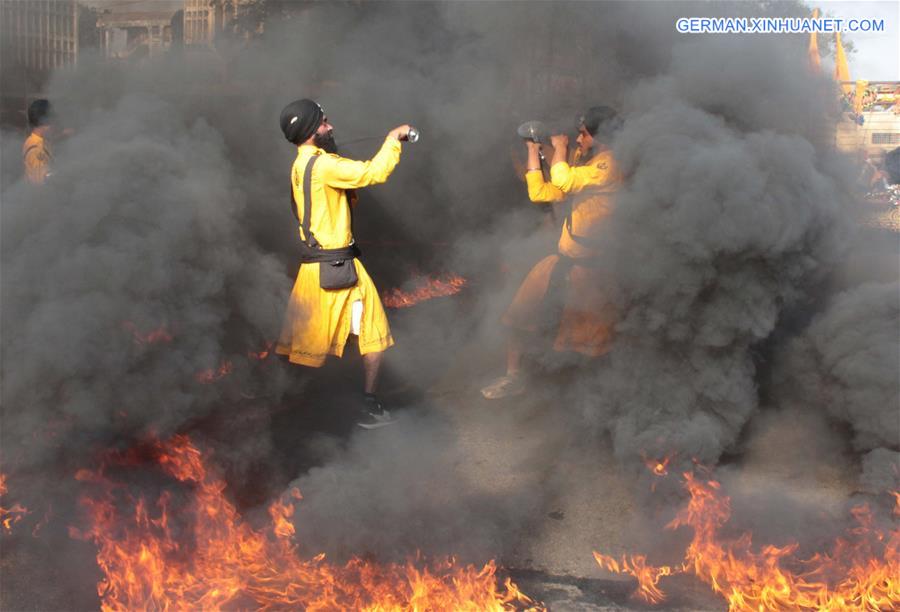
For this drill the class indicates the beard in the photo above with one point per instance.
(326, 142)
(584, 154)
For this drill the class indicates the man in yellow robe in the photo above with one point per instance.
(318, 321)
(36, 152)
(561, 294)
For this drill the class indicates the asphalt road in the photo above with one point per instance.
(593, 505)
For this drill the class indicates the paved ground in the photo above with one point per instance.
(592, 505)
(880, 214)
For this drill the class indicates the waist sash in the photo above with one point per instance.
(310, 254)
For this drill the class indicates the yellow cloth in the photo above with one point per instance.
(587, 317)
(859, 94)
(597, 180)
(587, 320)
(317, 321)
(813, 50)
(841, 67)
(36, 157)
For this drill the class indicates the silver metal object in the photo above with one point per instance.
(535, 131)
(411, 136)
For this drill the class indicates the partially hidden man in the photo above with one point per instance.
(36, 150)
(333, 295)
(561, 296)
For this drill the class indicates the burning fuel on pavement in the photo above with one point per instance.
(12, 515)
(449, 305)
(423, 289)
(859, 572)
(149, 561)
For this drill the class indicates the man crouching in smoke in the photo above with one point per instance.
(561, 296)
(333, 295)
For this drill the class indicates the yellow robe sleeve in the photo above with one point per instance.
(596, 173)
(342, 173)
(540, 190)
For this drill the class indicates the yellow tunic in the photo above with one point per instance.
(36, 157)
(317, 322)
(587, 317)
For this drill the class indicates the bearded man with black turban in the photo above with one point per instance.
(333, 295)
(563, 296)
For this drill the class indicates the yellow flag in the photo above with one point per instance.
(841, 69)
(814, 62)
(858, 95)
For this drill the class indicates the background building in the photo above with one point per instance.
(135, 35)
(199, 22)
(205, 20)
(36, 37)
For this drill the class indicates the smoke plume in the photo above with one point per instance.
(168, 209)
(846, 365)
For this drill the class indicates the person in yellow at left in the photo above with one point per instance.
(562, 295)
(333, 295)
(36, 152)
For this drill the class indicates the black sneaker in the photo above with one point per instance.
(373, 415)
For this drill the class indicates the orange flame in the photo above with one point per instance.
(426, 289)
(210, 375)
(157, 336)
(263, 354)
(44, 520)
(659, 467)
(861, 573)
(281, 513)
(10, 516)
(221, 561)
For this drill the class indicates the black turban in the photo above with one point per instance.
(600, 121)
(300, 119)
(39, 113)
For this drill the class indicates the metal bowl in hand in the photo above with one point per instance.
(534, 131)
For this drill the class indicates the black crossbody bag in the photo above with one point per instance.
(336, 267)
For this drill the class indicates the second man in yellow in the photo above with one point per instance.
(561, 296)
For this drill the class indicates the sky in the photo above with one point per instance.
(877, 56)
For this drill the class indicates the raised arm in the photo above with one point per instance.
(599, 172)
(539, 191)
(344, 173)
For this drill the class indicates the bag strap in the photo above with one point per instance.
(307, 202)
(33, 147)
(308, 238)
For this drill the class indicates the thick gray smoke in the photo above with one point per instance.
(169, 208)
(730, 218)
(138, 230)
(733, 216)
(846, 364)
